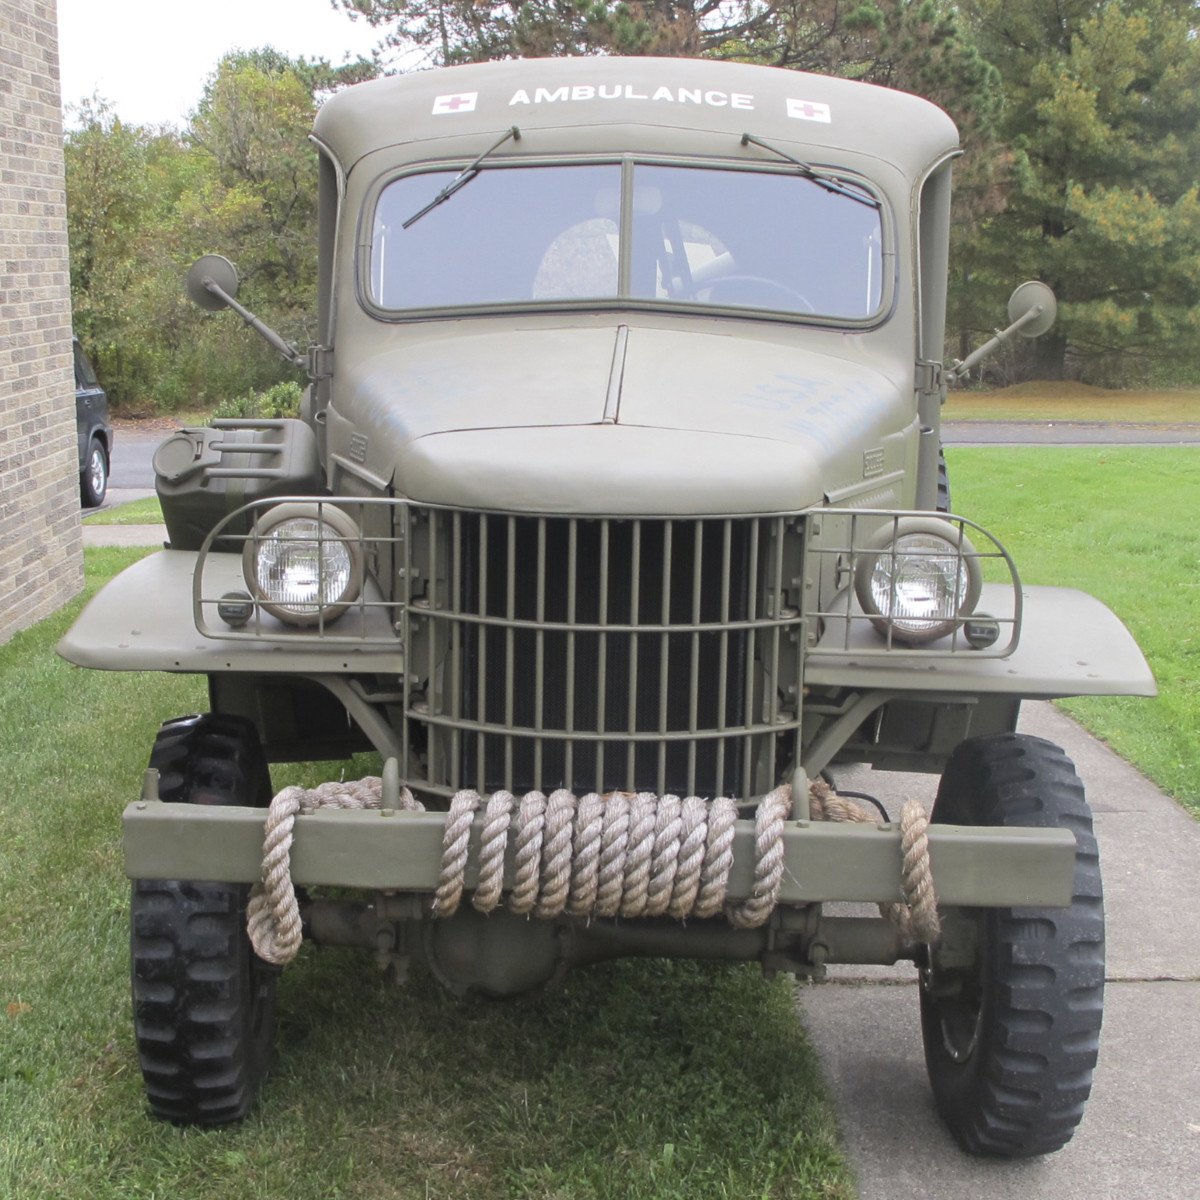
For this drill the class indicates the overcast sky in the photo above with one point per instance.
(150, 58)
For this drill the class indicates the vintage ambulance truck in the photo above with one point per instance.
(614, 522)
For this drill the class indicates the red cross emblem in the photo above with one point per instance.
(809, 110)
(458, 102)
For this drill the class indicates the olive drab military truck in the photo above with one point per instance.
(615, 522)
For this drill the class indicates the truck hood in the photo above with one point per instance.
(632, 420)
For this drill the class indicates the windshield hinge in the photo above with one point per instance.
(320, 362)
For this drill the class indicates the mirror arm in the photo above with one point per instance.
(260, 327)
(959, 370)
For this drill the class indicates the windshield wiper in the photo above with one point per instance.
(462, 178)
(811, 173)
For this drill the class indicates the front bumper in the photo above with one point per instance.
(388, 850)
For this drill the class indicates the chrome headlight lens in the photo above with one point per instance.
(303, 562)
(918, 579)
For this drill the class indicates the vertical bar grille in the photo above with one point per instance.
(603, 653)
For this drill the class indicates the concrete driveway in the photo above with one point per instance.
(1140, 1136)
(133, 455)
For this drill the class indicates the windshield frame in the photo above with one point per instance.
(889, 250)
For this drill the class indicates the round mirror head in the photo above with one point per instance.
(212, 268)
(1028, 297)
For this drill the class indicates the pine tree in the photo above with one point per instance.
(1102, 109)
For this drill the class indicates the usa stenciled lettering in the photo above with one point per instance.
(583, 92)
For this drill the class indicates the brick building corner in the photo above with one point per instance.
(41, 555)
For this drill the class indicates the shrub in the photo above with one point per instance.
(282, 400)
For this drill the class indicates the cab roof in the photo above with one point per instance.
(600, 100)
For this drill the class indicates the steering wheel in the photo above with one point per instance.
(755, 282)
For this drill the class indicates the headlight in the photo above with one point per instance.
(918, 578)
(303, 562)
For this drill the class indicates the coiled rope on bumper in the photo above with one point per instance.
(620, 855)
(916, 916)
(624, 855)
(272, 913)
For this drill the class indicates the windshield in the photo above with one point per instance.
(763, 240)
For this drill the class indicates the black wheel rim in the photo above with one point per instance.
(961, 1019)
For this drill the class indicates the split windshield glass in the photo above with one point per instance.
(679, 236)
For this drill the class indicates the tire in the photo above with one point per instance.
(943, 483)
(93, 479)
(1011, 1042)
(203, 1003)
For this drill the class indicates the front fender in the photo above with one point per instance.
(143, 621)
(1070, 645)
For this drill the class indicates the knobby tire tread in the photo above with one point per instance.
(1023, 1090)
(203, 1005)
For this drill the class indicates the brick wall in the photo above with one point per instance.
(41, 555)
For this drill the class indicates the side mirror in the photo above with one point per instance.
(1032, 309)
(212, 282)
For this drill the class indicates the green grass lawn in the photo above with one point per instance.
(1122, 524)
(633, 1080)
(136, 512)
(1075, 402)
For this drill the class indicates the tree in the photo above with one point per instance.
(122, 184)
(914, 44)
(1102, 108)
(253, 123)
(143, 204)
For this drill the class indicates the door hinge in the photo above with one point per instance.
(320, 362)
(929, 379)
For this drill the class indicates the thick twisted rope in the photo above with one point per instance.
(455, 843)
(775, 808)
(272, 914)
(916, 916)
(624, 854)
(921, 923)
